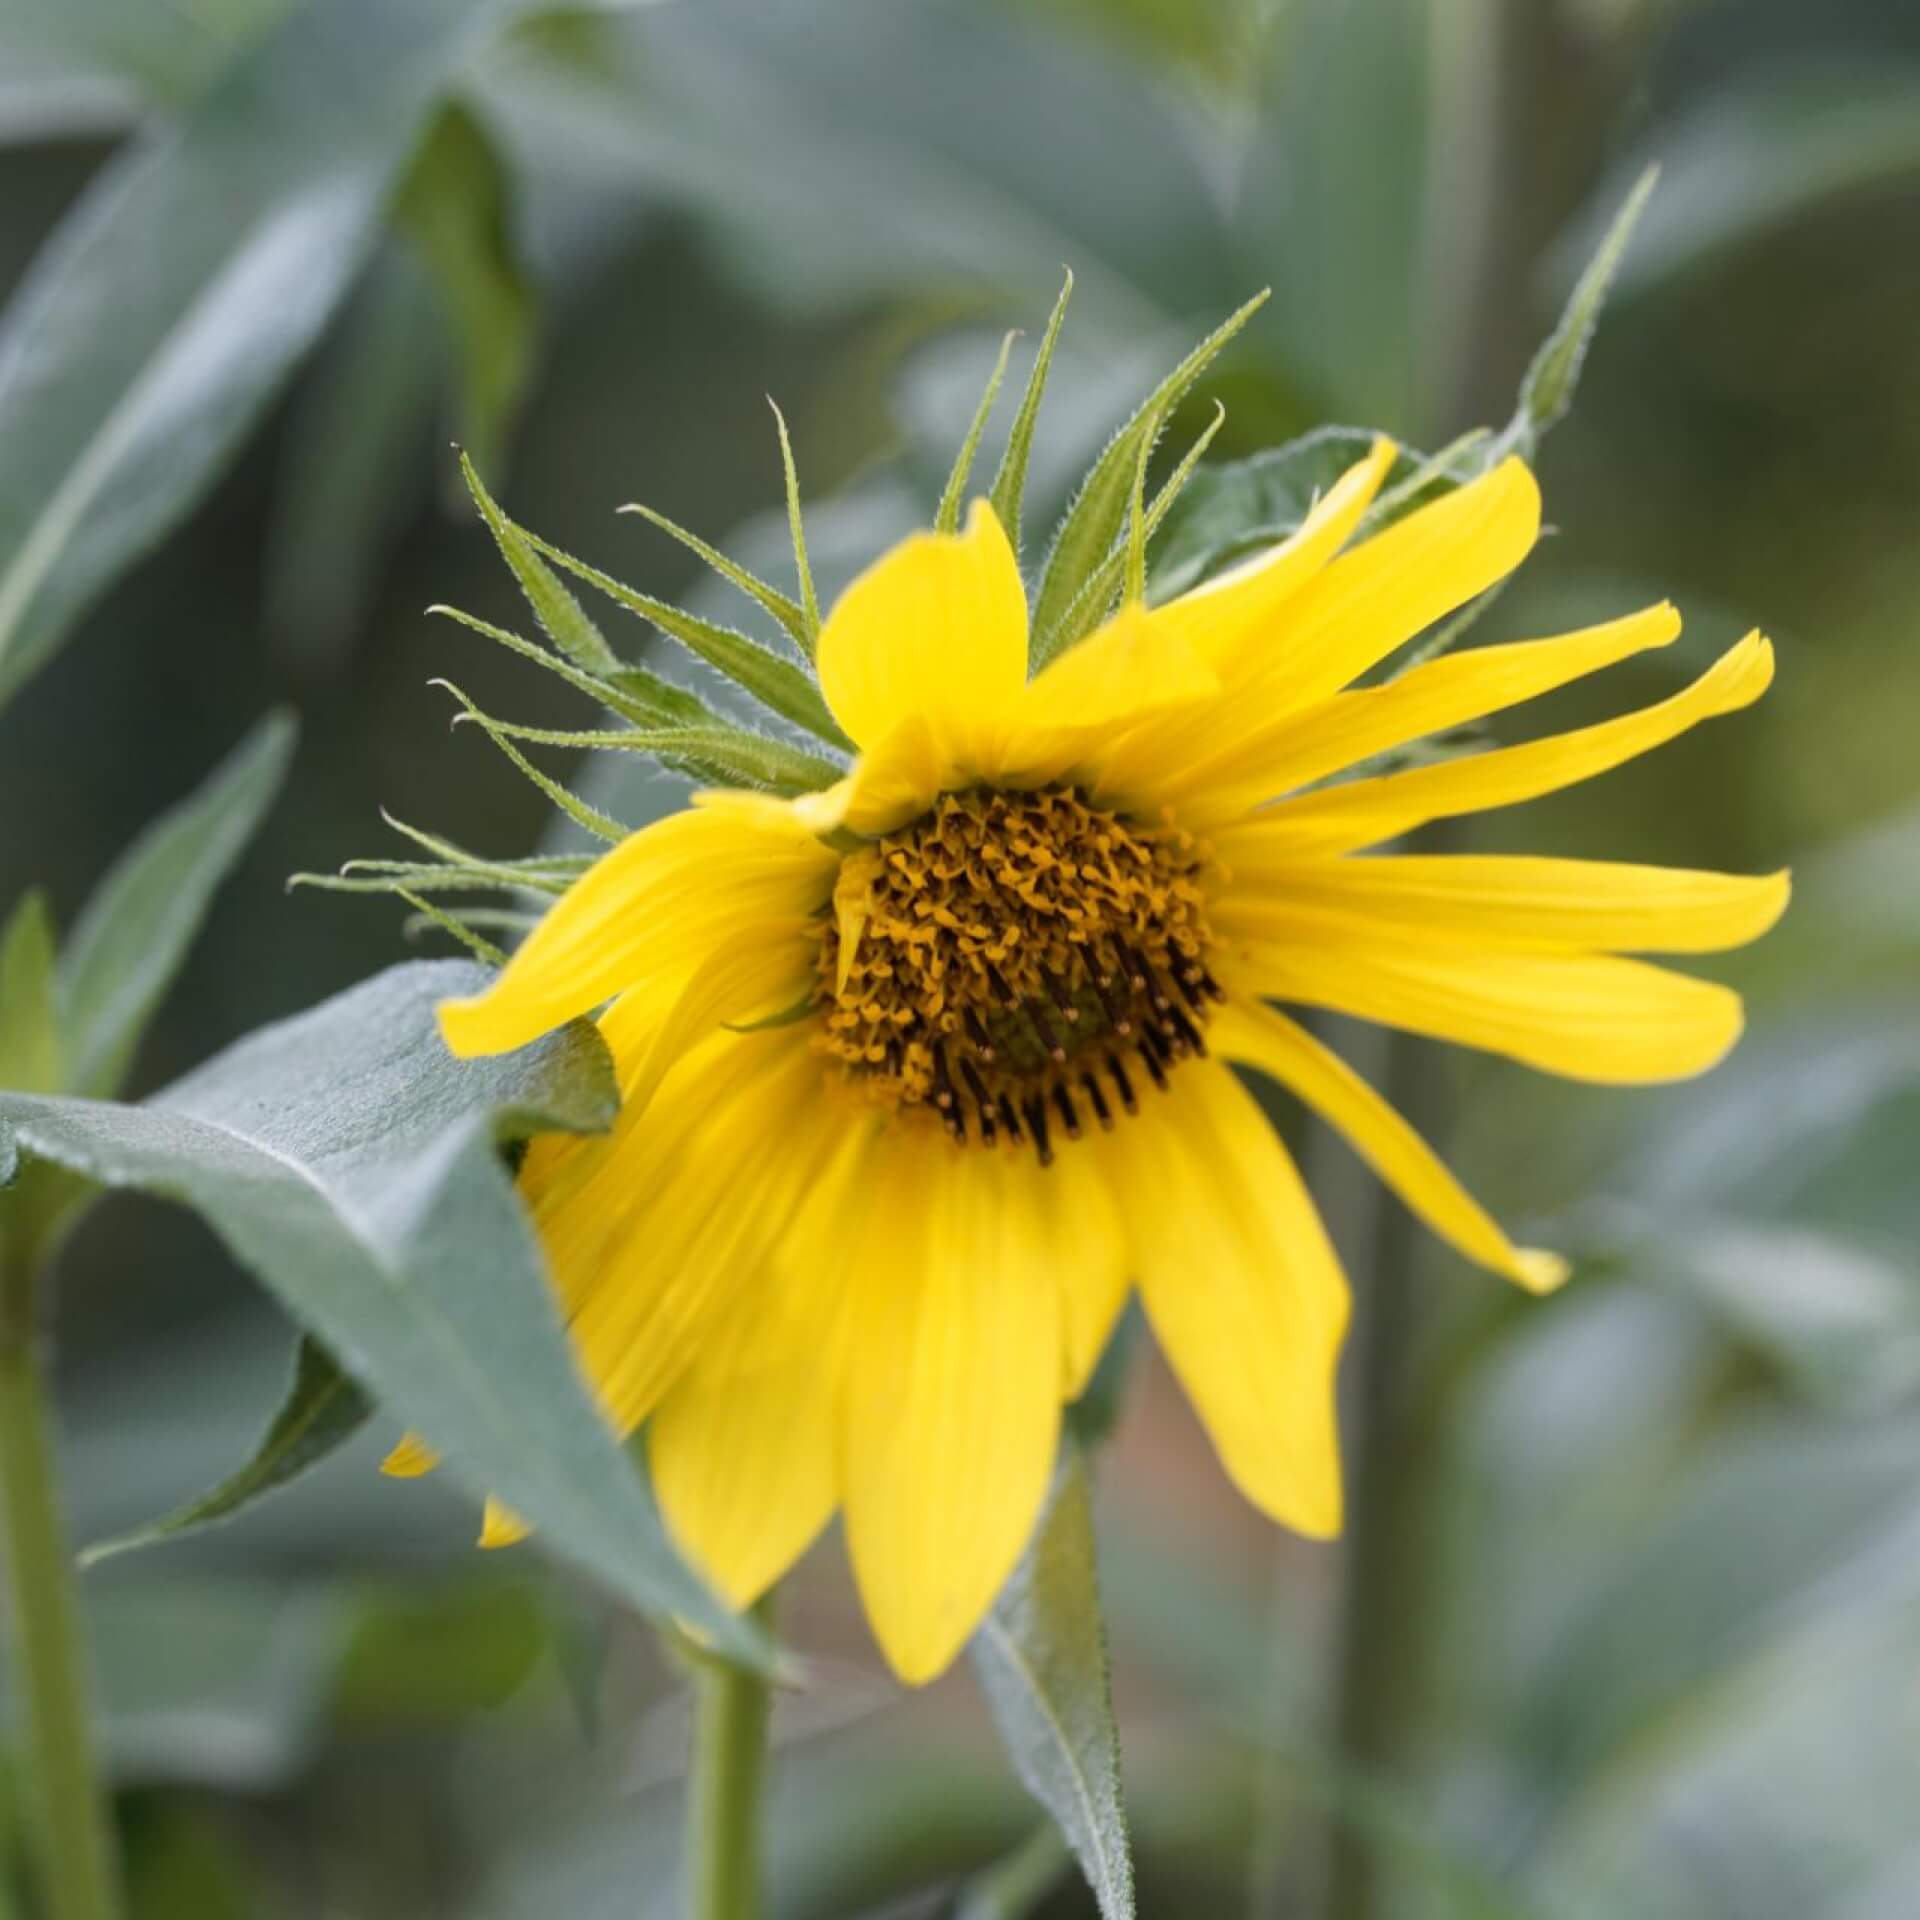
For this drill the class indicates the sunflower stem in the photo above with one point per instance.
(731, 1711)
(66, 1805)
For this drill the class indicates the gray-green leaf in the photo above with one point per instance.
(349, 1161)
(198, 266)
(133, 934)
(322, 1410)
(1041, 1655)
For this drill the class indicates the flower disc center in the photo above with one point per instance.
(1010, 960)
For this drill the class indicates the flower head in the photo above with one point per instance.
(924, 1072)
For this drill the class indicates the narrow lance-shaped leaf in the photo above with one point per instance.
(562, 618)
(1008, 493)
(1547, 391)
(453, 206)
(946, 518)
(133, 934)
(195, 270)
(30, 1038)
(1041, 1655)
(321, 1410)
(347, 1160)
(1093, 523)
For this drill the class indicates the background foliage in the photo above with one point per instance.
(1628, 1619)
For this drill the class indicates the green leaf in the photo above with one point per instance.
(1232, 509)
(1547, 391)
(562, 618)
(453, 206)
(348, 1161)
(322, 1410)
(1041, 1655)
(1009, 488)
(946, 517)
(1754, 155)
(198, 266)
(1094, 522)
(779, 685)
(30, 1036)
(133, 934)
(1017, 1886)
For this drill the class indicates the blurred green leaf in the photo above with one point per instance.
(1335, 198)
(1015, 1888)
(30, 1034)
(454, 206)
(427, 1658)
(1041, 1655)
(134, 932)
(1754, 155)
(354, 464)
(321, 1411)
(349, 1162)
(161, 56)
(198, 266)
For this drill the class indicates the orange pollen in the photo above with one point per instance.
(1012, 961)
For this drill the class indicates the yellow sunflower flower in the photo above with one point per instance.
(922, 1074)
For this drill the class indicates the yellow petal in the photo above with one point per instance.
(952, 1397)
(1525, 901)
(1362, 813)
(936, 628)
(1259, 1037)
(1295, 748)
(501, 1526)
(686, 1212)
(745, 1449)
(1387, 589)
(1242, 1286)
(655, 907)
(1231, 618)
(1132, 667)
(650, 1027)
(410, 1458)
(1589, 1017)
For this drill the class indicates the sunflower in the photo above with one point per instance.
(923, 1073)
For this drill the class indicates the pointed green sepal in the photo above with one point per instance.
(562, 618)
(779, 685)
(946, 518)
(1093, 524)
(783, 607)
(809, 600)
(1010, 482)
(601, 826)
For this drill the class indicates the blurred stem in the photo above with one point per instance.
(731, 1711)
(72, 1843)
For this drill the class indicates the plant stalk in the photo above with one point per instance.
(731, 1710)
(65, 1804)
